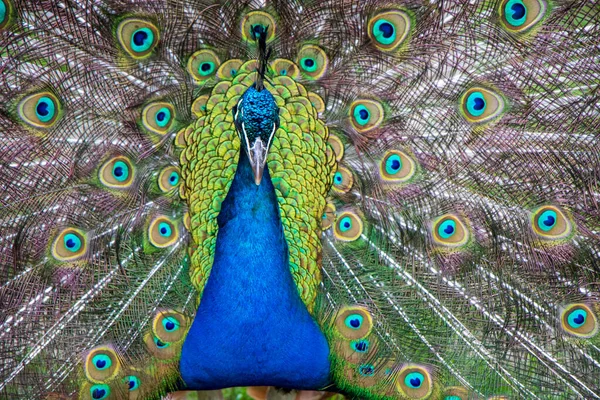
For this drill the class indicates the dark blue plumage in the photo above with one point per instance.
(251, 326)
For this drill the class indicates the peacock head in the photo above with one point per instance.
(256, 119)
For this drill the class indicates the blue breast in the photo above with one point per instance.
(251, 328)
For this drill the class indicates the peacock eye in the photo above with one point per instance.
(337, 146)
(160, 344)
(202, 65)
(133, 382)
(158, 117)
(343, 180)
(366, 370)
(101, 364)
(162, 232)
(550, 222)
(521, 15)
(360, 346)
(285, 67)
(579, 320)
(366, 115)
(414, 382)
(450, 231)
(396, 166)
(170, 324)
(388, 30)
(117, 173)
(229, 69)
(317, 102)
(169, 179)
(255, 22)
(455, 393)
(5, 8)
(313, 61)
(99, 392)
(480, 105)
(137, 37)
(69, 245)
(40, 110)
(348, 227)
(353, 322)
(328, 216)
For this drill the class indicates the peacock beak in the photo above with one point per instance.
(257, 153)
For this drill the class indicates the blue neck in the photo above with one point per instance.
(252, 328)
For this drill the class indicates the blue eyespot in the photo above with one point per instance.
(515, 12)
(45, 108)
(170, 324)
(163, 117)
(337, 178)
(164, 229)
(309, 64)
(547, 220)
(360, 346)
(2, 12)
(366, 370)
(142, 40)
(120, 171)
(72, 242)
(345, 224)
(160, 345)
(393, 164)
(101, 362)
(414, 380)
(283, 72)
(577, 318)
(476, 104)
(174, 178)
(206, 68)
(447, 228)
(233, 72)
(133, 382)
(354, 321)
(384, 32)
(361, 115)
(452, 398)
(99, 392)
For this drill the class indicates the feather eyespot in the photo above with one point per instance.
(169, 326)
(520, 15)
(480, 105)
(137, 37)
(203, 65)
(388, 30)
(133, 382)
(414, 382)
(159, 348)
(337, 146)
(101, 364)
(579, 320)
(69, 245)
(99, 392)
(343, 180)
(169, 179)
(40, 110)
(199, 105)
(229, 69)
(354, 322)
(366, 115)
(317, 102)
(283, 67)
(396, 166)
(328, 216)
(313, 61)
(550, 222)
(163, 232)
(158, 117)
(348, 227)
(450, 231)
(118, 173)
(255, 22)
(5, 11)
(455, 393)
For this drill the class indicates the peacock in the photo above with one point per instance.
(386, 199)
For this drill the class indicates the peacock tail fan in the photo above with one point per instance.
(389, 200)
